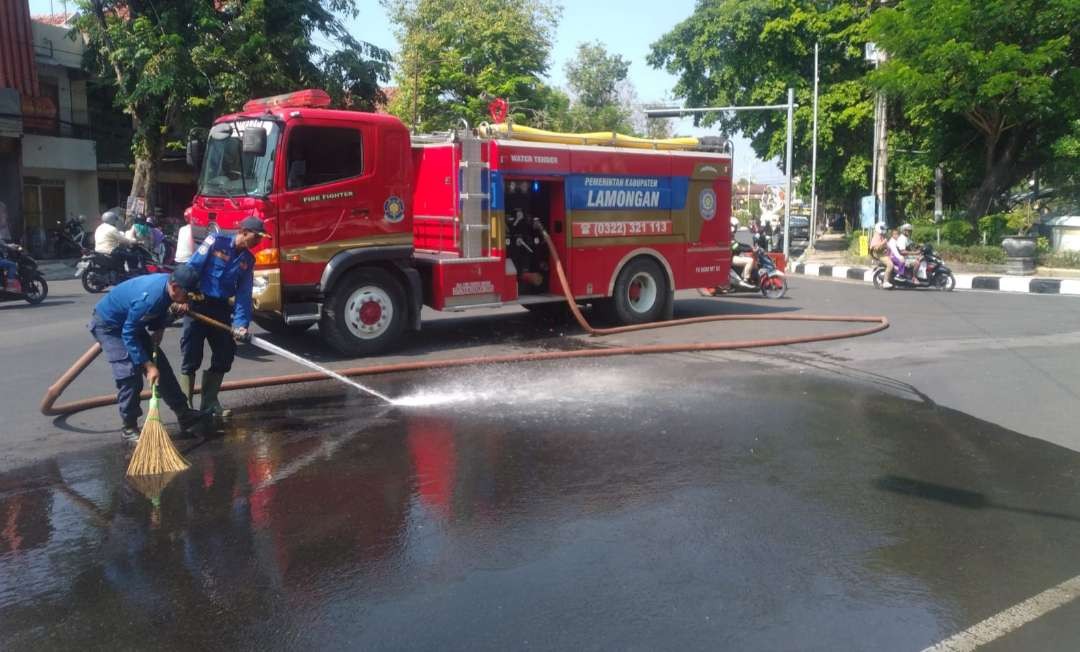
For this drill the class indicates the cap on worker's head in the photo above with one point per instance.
(906, 227)
(186, 277)
(255, 225)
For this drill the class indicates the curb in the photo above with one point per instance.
(996, 283)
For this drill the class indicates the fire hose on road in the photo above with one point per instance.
(874, 324)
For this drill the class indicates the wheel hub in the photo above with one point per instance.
(369, 312)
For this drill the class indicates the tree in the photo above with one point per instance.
(995, 83)
(732, 52)
(597, 81)
(456, 55)
(175, 63)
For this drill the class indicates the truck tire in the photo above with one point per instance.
(365, 313)
(279, 327)
(640, 292)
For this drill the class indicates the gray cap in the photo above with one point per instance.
(186, 277)
(255, 225)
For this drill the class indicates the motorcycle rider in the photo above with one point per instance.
(8, 268)
(111, 241)
(905, 243)
(879, 251)
(748, 263)
(896, 257)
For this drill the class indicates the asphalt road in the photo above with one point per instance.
(1011, 360)
(885, 493)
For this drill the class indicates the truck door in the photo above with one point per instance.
(327, 204)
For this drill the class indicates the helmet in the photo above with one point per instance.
(110, 217)
(880, 228)
(905, 227)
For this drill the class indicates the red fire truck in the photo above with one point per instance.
(370, 223)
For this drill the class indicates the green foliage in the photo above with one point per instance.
(994, 226)
(733, 52)
(174, 64)
(1021, 218)
(955, 232)
(971, 254)
(456, 55)
(1064, 259)
(992, 84)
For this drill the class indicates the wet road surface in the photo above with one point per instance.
(653, 503)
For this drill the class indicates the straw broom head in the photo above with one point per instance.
(155, 452)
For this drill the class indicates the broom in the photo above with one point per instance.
(155, 452)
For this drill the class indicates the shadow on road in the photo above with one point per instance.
(957, 497)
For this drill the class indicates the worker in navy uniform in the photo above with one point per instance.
(129, 323)
(226, 269)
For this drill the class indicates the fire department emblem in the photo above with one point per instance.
(393, 209)
(707, 204)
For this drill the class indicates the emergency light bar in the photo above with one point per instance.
(312, 98)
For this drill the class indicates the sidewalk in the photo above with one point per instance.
(828, 259)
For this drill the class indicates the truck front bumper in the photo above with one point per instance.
(266, 291)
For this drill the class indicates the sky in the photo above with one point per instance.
(624, 27)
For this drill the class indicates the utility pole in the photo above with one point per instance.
(813, 158)
(787, 169)
(879, 169)
(939, 177)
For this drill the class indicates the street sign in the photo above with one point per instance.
(867, 212)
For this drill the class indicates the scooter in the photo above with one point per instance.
(99, 271)
(933, 273)
(766, 279)
(29, 285)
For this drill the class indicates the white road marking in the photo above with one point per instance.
(963, 281)
(1011, 619)
(840, 271)
(868, 276)
(811, 269)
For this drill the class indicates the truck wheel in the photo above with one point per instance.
(640, 292)
(365, 313)
(279, 327)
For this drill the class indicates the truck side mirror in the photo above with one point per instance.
(194, 153)
(254, 141)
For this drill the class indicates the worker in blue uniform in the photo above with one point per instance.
(129, 323)
(226, 269)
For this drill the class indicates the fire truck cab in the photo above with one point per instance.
(370, 223)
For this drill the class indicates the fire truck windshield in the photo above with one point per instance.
(227, 171)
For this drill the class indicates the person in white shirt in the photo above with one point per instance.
(896, 255)
(905, 243)
(112, 242)
(185, 242)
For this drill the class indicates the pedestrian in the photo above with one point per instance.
(185, 242)
(129, 323)
(226, 269)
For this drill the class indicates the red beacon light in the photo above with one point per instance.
(312, 98)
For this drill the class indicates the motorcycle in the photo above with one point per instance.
(70, 240)
(766, 279)
(30, 285)
(98, 271)
(934, 274)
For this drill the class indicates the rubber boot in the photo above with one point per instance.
(211, 385)
(193, 423)
(187, 386)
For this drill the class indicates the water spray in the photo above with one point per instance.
(289, 355)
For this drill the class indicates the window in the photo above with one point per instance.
(319, 155)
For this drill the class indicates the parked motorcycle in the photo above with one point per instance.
(766, 279)
(935, 275)
(71, 239)
(99, 271)
(29, 285)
